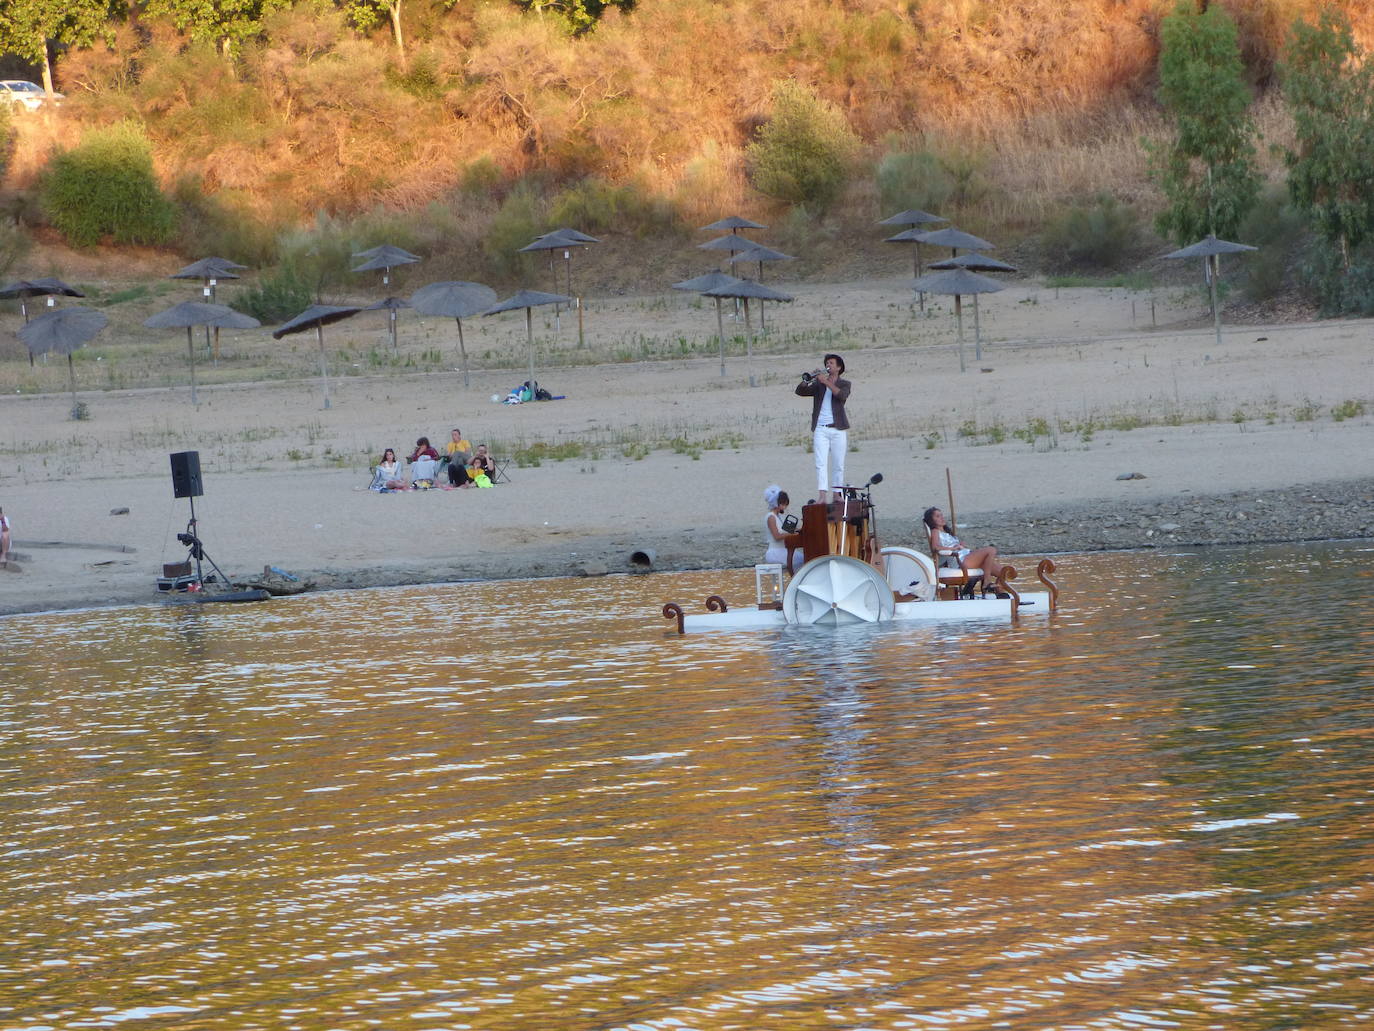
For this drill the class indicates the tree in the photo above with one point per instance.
(802, 154)
(28, 27)
(1329, 86)
(367, 13)
(581, 15)
(1208, 173)
(225, 23)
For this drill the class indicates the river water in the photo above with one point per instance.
(528, 805)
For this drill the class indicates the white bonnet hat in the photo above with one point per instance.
(770, 495)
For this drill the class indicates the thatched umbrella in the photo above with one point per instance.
(42, 287)
(63, 332)
(747, 290)
(529, 300)
(704, 284)
(959, 282)
(391, 305)
(387, 250)
(559, 240)
(386, 257)
(732, 224)
(1210, 250)
(730, 242)
(572, 234)
(457, 300)
(972, 262)
(188, 314)
(316, 317)
(210, 271)
(758, 252)
(955, 239)
(911, 218)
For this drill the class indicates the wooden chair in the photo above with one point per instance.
(953, 578)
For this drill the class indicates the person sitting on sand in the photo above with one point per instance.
(482, 467)
(458, 453)
(422, 449)
(424, 465)
(387, 475)
(774, 536)
(984, 558)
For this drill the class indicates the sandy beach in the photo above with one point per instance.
(1075, 390)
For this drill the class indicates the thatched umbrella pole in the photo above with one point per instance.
(749, 343)
(324, 365)
(959, 319)
(720, 334)
(463, 350)
(191, 352)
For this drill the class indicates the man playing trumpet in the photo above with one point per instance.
(829, 424)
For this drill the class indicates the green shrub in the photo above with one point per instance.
(422, 79)
(1104, 234)
(802, 154)
(6, 140)
(213, 225)
(1340, 291)
(321, 256)
(516, 223)
(276, 296)
(1279, 231)
(595, 205)
(14, 244)
(912, 179)
(105, 187)
(481, 176)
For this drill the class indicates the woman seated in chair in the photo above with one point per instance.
(984, 558)
(775, 525)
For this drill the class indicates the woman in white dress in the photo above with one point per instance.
(773, 534)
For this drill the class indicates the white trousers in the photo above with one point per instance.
(829, 443)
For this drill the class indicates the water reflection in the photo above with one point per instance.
(530, 805)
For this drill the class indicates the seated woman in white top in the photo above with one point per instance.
(387, 475)
(984, 558)
(773, 533)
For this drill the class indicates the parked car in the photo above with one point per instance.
(29, 95)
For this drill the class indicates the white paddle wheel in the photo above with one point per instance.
(835, 590)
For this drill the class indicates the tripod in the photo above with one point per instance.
(198, 551)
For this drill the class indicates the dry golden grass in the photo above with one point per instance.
(1046, 102)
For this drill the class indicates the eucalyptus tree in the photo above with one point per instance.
(367, 13)
(29, 29)
(1328, 83)
(1208, 170)
(224, 23)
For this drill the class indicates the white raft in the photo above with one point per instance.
(836, 590)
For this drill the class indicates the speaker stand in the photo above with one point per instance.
(198, 552)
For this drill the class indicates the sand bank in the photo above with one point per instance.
(1231, 445)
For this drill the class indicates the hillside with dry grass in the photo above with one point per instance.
(500, 122)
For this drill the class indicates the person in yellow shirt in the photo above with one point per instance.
(459, 453)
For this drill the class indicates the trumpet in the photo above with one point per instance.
(807, 377)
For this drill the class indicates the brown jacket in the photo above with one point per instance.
(816, 391)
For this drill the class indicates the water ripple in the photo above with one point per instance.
(467, 806)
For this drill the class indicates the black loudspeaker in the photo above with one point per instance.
(186, 475)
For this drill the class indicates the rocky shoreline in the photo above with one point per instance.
(1314, 512)
(1342, 510)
